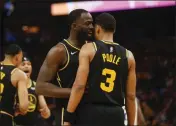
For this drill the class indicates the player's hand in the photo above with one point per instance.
(18, 111)
(67, 124)
(45, 112)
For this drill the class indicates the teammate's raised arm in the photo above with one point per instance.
(131, 91)
(55, 59)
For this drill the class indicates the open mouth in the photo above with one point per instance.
(90, 33)
(26, 71)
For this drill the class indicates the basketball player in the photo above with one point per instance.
(36, 103)
(12, 81)
(108, 70)
(62, 60)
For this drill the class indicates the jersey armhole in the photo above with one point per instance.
(127, 53)
(33, 82)
(68, 58)
(95, 46)
(58, 80)
(12, 72)
(125, 69)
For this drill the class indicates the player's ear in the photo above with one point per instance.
(98, 29)
(16, 58)
(73, 26)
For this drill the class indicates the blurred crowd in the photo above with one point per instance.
(156, 90)
(156, 84)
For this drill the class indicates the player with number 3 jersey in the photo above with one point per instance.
(107, 71)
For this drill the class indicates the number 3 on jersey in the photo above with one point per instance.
(109, 85)
(1, 90)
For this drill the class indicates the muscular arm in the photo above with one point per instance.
(48, 70)
(21, 85)
(81, 77)
(131, 92)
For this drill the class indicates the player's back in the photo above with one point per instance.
(107, 75)
(7, 90)
(103, 101)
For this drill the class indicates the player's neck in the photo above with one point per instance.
(75, 42)
(107, 37)
(7, 61)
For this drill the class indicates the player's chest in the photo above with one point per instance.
(73, 59)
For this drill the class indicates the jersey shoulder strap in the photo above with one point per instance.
(95, 46)
(67, 53)
(124, 68)
(34, 83)
(69, 46)
(124, 51)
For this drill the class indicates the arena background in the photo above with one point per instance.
(149, 32)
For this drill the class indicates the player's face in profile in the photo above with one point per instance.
(18, 58)
(26, 66)
(85, 26)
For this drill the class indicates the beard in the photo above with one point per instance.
(83, 35)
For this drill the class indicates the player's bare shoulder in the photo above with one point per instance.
(17, 75)
(88, 49)
(56, 54)
(57, 50)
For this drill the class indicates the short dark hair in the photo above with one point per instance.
(74, 15)
(12, 50)
(106, 21)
